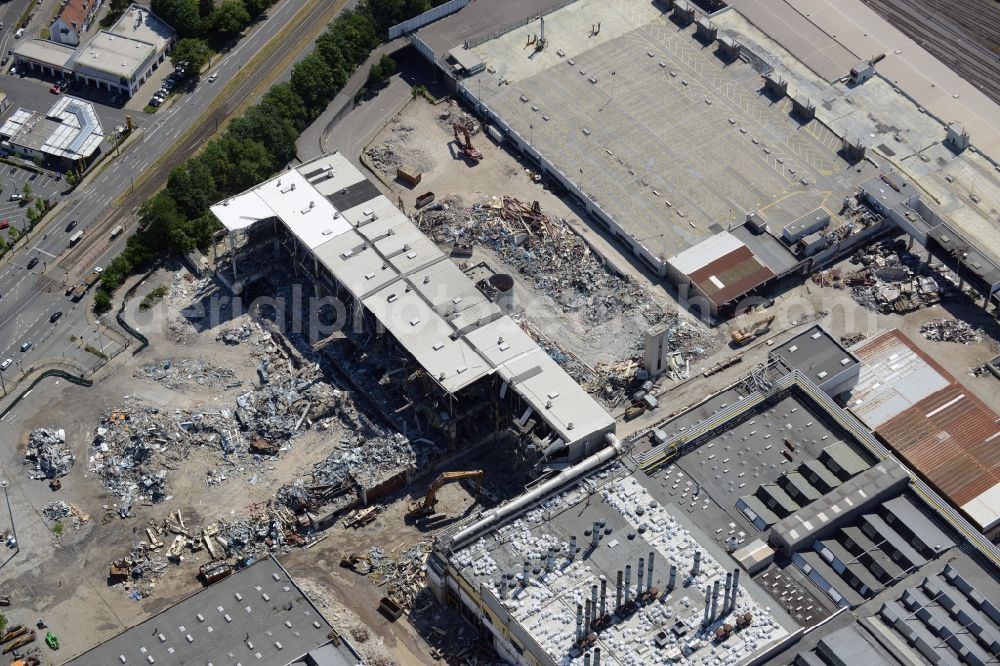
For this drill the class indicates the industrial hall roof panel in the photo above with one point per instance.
(731, 275)
(454, 364)
(358, 267)
(950, 436)
(453, 295)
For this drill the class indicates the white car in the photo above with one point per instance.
(213, 77)
(6, 364)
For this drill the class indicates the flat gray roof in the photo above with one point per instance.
(211, 626)
(114, 54)
(816, 354)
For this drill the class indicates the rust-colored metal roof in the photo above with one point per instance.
(75, 13)
(950, 436)
(731, 275)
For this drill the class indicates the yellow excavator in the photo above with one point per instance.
(744, 335)
(425, 506)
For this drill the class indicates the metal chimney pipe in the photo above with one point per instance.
(604, 596)
(673, 577)
(593, 600)
(696, 569)
(708, 605)
(595, 534)
(715, 599)
(586, 659)
(503, 587)
(597, 656)
(618, 592)
(579, 622)
(525, 574)
(550, 560)
(649, 576)
(572, 547)
(628, 581)
(542, 37)
(736, 586)
(727, 603)
(638, 575)
(588, 617)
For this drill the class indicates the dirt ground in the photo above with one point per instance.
(63, 578)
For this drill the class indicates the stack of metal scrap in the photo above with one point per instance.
(47, 449)
(950, 330)
(402, 575)
(177, 375)
(891, 279)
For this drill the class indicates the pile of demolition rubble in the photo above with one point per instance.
(173, 541)
(402, 575)
(394, 152)
(950, 330)
(555, 261)
(891, 279)
(47, 450)
(234, 336)
(178, 375)
(60, 510)
(358, 461)
(136, 443)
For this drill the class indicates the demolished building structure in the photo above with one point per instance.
(466, 363)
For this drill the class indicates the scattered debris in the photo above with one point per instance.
(178, 375)
(892, 279)
(234, 336)
(851, 340)
(47, 449)
(60, 510)
(950, 330)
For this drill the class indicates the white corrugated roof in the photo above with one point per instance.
(705, 252)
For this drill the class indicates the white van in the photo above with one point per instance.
(17, 35)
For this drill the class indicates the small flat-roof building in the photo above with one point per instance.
(68, 134)
(257, 616)
(717, 273)
(50, 58)
(815, 353)
(123, 57)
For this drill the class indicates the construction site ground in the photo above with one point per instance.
(65, 577)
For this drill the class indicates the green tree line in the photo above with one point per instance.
(256, 145)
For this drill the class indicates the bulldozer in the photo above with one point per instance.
(753, 331)
(468, 149)
(425, 506)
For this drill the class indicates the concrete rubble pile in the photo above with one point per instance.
(47, 450)
(135, 444)
(358, 461)
(401, 575)
(394, 152)
(453, 113)
(891, 279)
(950, 330)
(555, 261)
(178, 375)
(234, 336)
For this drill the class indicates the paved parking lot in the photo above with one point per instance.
(12, 180)
(33, 93)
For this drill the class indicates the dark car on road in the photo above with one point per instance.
(32, 262)
(70, 226)
(55, 316)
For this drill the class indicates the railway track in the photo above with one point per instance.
(96, 239)
(963, 34)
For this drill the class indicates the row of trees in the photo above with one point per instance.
(257, 144)
(205, 18)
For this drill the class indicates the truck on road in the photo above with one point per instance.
(87, 283)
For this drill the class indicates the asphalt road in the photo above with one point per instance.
(29, 297)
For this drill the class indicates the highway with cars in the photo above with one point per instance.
(30, 296)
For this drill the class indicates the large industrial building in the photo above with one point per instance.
(728, 149)
(257, 616)
(68, 134)
(764, 525)
(477, 363)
